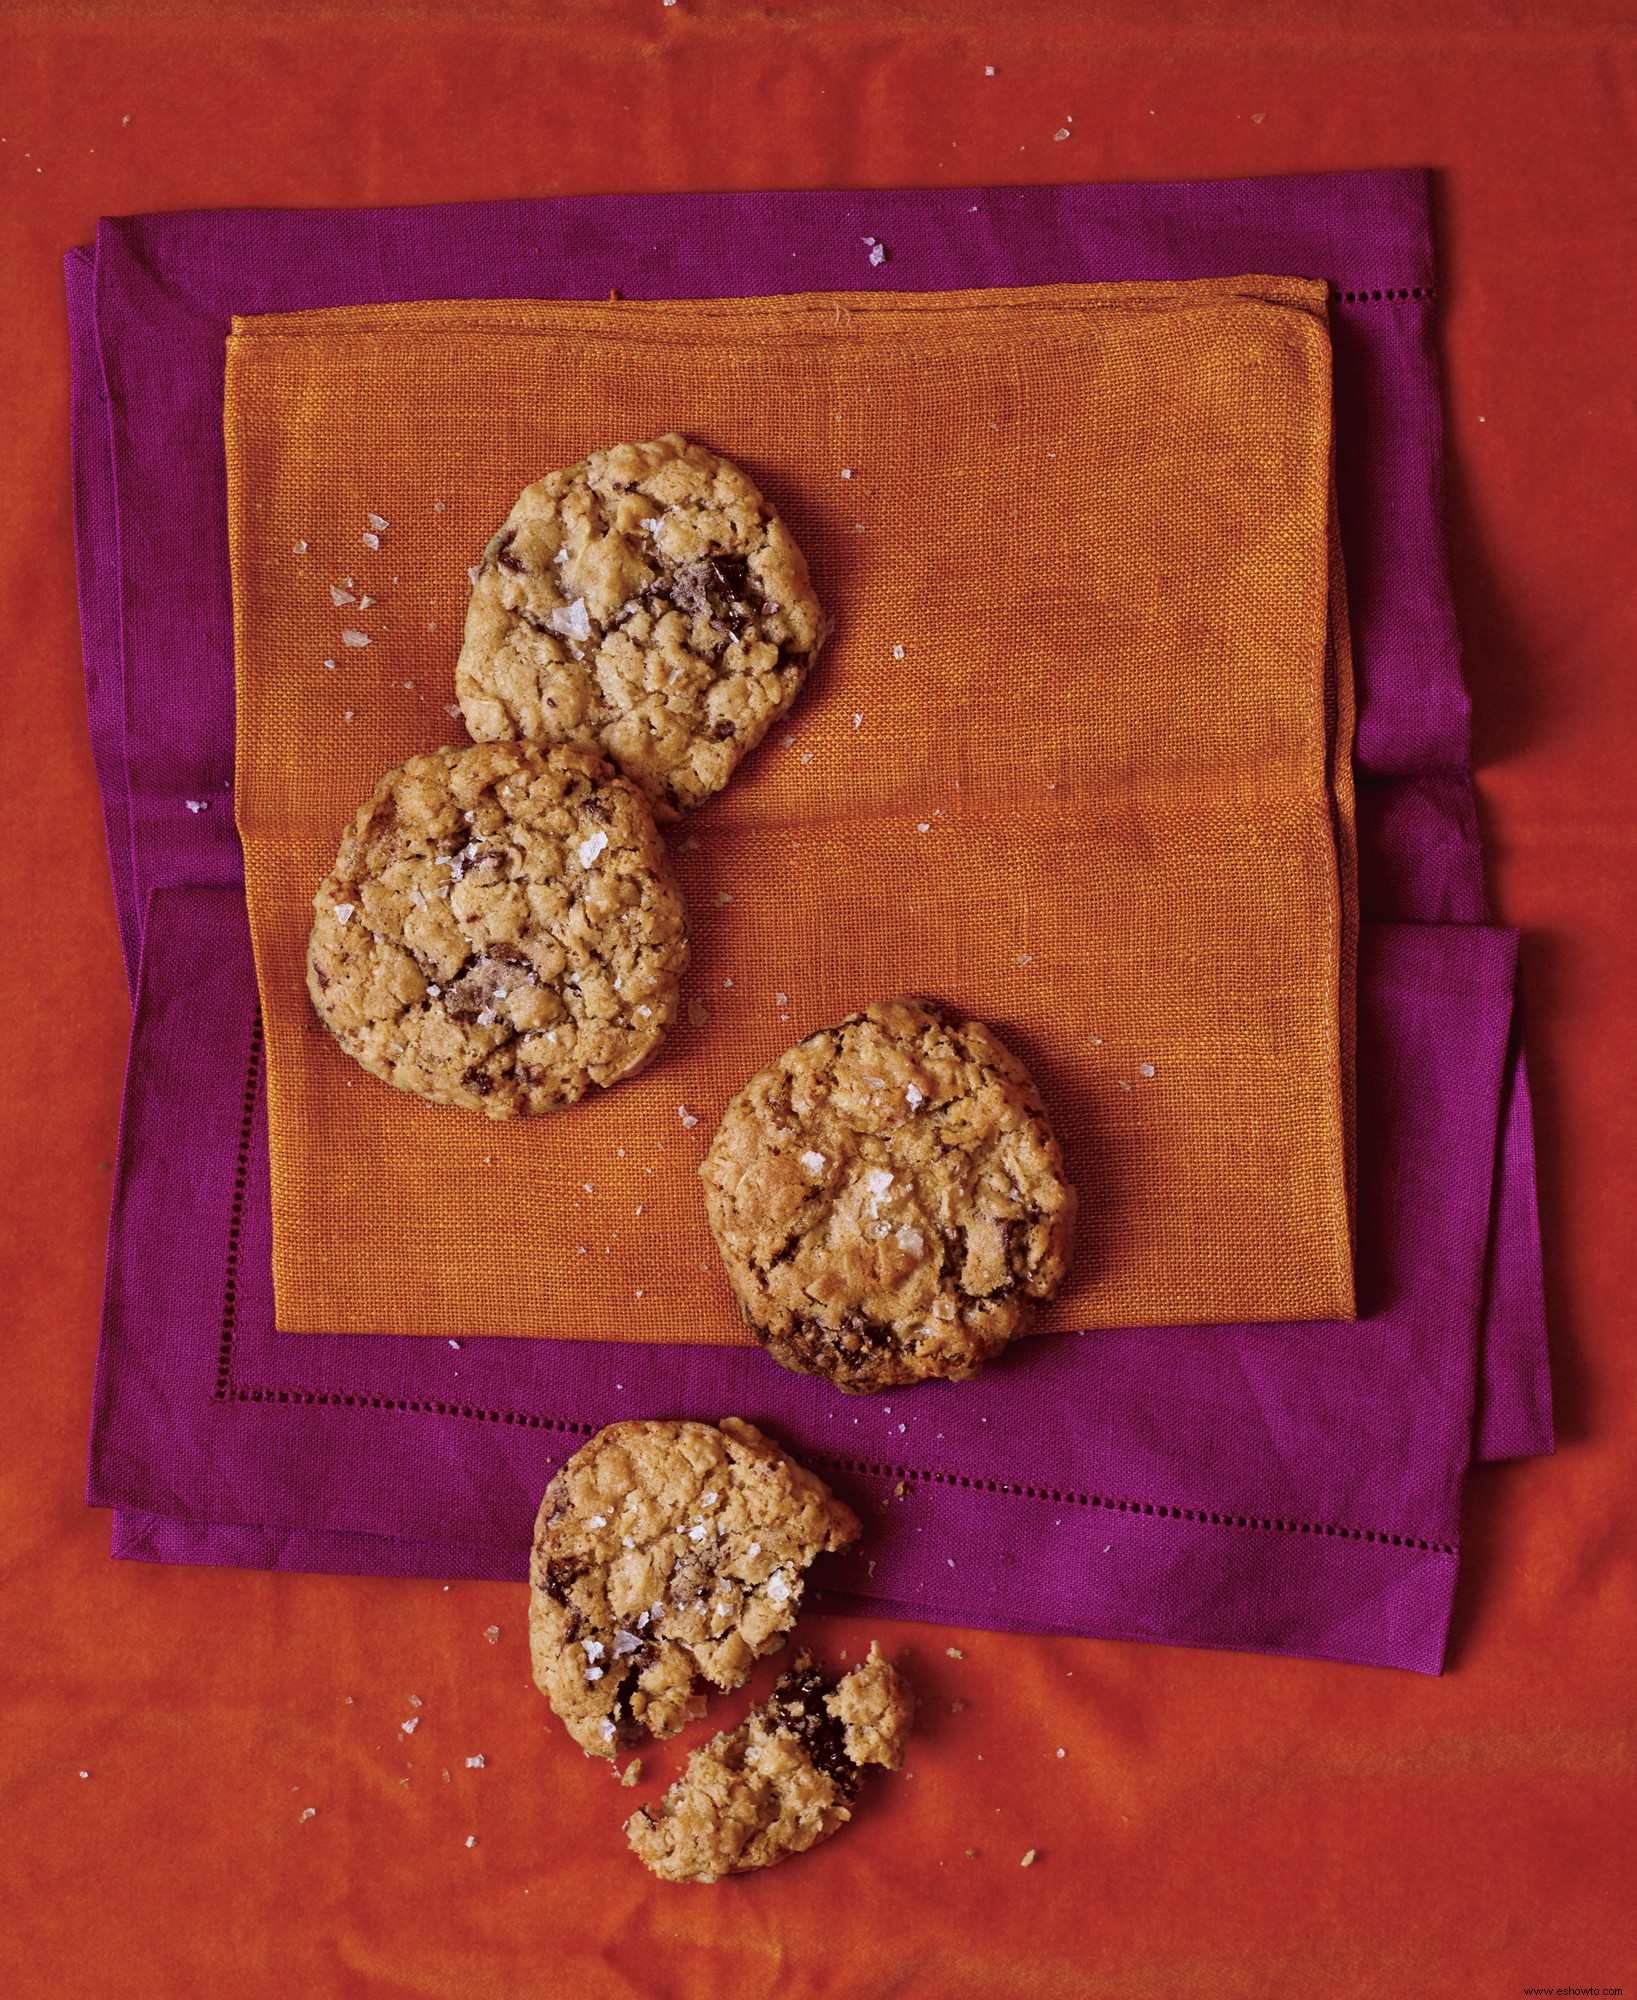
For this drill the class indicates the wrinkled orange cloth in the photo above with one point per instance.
(1069, 762)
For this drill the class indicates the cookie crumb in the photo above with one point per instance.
(632, 1772)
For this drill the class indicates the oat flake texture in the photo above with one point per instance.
(889, 1199)
(666, 1553)
(500, 930)
(648, 604)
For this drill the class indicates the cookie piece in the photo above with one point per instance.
(889, 1199)
(665, 1551)
(500, 929)
(783, 1780)
(646, 603)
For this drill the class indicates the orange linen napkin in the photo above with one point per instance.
(1075, 760)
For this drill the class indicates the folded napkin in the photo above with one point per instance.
(217, 1440)
(1067, 762)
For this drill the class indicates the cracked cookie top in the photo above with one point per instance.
(500, 929)
(647, 604)
(783, 1780)
(665, 1552)
(889, 1199)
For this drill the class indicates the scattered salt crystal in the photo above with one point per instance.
(912, 1241)
(777, 1588)
(455, 1344)
(857, 719)
(1025, 958)
(988, 70)
(950, 1560)
(954, 1652)
(1145, 1069)
(722, 896)
(878, 253)
(599, 1520)
(687, 1117)
(486, 1017)
(897, 652)
(625, 1543)
(626, 1642)
(338, 596)
(605, 1729)
(593, 1673)
(471, 1840)
(781, 999)
(377, 523)
(1061, 133)
(436, 992)
(198, 805)
(351, 638)
(755, 1549)
(924, 826)
(914, 1098)
(814, 1162)
(846, 472)
(1062, 1753)
(878, 1180)
(645, 1012)
(1028, 1859)
(698, 1015)
(588, 1187)
(411, 1725)
(591, 847)
(572, 621)
(697, 1532)
(343, 912)
(372, 541)
(807, 756)
(475, 1763)
(307, 1813)
(331, 665)
(298, 548)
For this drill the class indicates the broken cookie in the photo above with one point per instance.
(665, 1553)
(783, 1780)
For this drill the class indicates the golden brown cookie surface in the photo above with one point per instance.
(665, 1552)
(647, 604)
(500, 929)
(783, 1780)
(889, 1200)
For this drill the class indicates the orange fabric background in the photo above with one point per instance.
(1065, 763)
(1221, 1825)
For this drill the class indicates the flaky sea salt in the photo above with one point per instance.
(298, 548)
(897, 652)
(377, 523)
(492, 1634)
(371, 541)
(591, 847)
(343, 912)
(351, 638)
(411, 1725)
(572, 621)
(815, 1163)
(475, 1763)
(338, 596)
(914, 1098)
(1145, 1069)
(197, 805)
(688, 1118)
(877, 1180)
(777, 1587)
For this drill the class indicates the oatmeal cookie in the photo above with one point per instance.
(783, 1780)
(500, 929)
(889, 1199)
(647, 604)
(666, 1551)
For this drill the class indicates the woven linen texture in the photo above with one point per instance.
(1065, 763)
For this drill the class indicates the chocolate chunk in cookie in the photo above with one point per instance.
(889, 1199)
(666, 1552)
(647, 604)
(500, 929)
(783, 1780)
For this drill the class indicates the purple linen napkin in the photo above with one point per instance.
(1284, 1488)
(148, 433)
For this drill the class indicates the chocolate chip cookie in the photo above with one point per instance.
(500, 929)
(783, 1780)
(663, 1552)
(647, 604)
(889, 1199)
